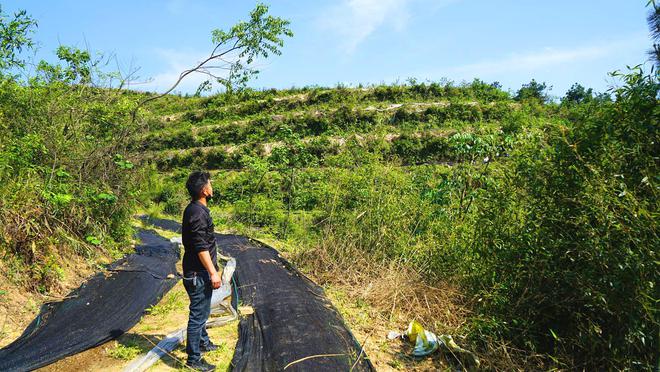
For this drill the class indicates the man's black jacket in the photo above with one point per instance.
(197, 235)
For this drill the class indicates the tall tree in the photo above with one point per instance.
(654, 26)
(533, 91)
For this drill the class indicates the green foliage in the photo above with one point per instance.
(577, 94)
(123, 163)
(172, 302)
(76, 71)
(533, 91)
(91, 239)
(653, 20)
(47, 274)
(128, 351)
(261, 35)
(256, 38)
(485, 92)
(564, 258)
(543, 214)
(260, 211)
(15, 37)
(66, 185)
(171, 195)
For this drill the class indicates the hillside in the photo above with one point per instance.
(437, 202)
(413, 124)
(522, 227)
(281, 159)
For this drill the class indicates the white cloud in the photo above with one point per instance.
(540, 59)
(355, 20)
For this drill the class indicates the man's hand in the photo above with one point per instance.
(205, 257)
(216, 281)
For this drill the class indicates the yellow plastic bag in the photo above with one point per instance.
(425, 342)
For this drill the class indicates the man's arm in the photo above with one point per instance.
(205, 257)
(197, 227)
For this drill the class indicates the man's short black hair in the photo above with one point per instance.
(196, 182)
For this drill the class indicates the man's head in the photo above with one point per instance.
(199, 185)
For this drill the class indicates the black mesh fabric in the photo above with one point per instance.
(294, 325)
(103, 308)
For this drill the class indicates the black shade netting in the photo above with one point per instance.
(103, 308)
(294, 325)
(160, 223)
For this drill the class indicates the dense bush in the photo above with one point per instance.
(260, 211)
(564, 258)
(64, 176)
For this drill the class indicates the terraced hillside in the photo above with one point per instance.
(400, 125)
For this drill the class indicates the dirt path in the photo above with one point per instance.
(168, 315)
(104, 307)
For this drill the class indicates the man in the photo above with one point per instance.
(200, 268)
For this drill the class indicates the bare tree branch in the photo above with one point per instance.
(182, 76)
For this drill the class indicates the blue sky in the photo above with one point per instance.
(364, 41)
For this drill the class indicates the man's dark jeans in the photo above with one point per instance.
(199, 291)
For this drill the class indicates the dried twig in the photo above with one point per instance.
(311, 357)
(361, 352)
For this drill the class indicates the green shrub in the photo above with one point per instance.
(564, 259)
(260, 211)
(173, 207)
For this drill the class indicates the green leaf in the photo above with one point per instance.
(91, 239)
(62, 174)
(123, 163)
(554, 335)
(106, 197)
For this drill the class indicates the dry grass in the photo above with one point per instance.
(377, 297)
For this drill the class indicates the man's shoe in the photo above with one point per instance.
(208, 347)
(201, 365)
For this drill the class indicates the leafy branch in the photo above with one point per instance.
(235, 52)
(14, 38)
